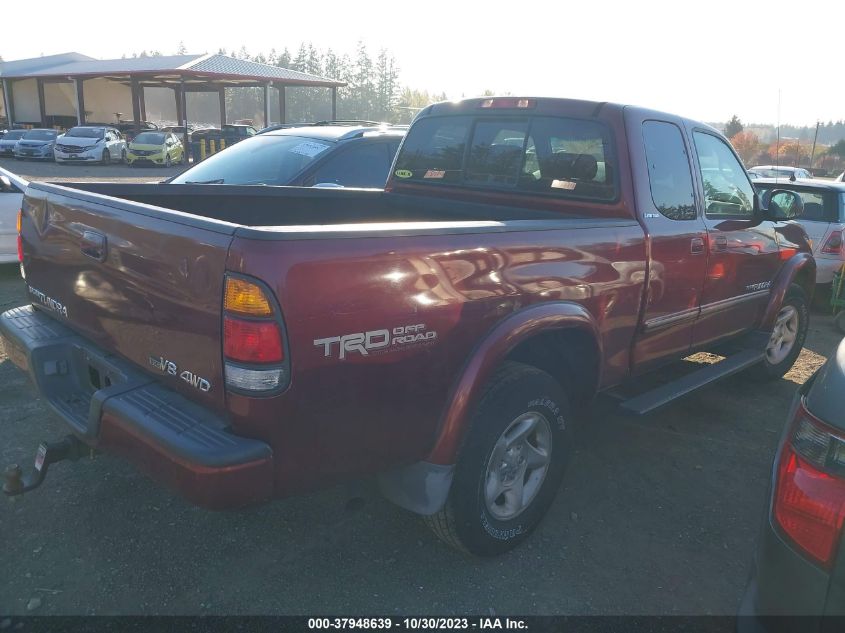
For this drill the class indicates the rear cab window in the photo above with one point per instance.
(551, 156)
(819, 205)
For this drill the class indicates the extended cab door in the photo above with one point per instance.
(669, 211)
(742, 255)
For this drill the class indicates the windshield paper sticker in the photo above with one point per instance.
(309, 149)
(434, 173)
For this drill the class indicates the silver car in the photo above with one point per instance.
(11, 195)
(9, 140)
(823, 219)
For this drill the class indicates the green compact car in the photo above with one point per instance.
(155, 148)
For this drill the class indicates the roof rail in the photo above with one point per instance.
(348, 121)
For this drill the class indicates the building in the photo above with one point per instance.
(71, 88)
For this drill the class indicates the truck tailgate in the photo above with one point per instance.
(139, 281)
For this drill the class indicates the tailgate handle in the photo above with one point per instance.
(94, 245)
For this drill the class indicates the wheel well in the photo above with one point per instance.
(807, 282)
(571, 356)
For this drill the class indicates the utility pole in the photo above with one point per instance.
(815, 138)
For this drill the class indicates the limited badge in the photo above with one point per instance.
(403, 173)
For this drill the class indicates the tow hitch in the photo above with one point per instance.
(15, 483)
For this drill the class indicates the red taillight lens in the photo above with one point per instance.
(833, 245)
(809, 502)
(252, 341)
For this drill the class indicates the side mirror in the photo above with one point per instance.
(782, 204)
(5, 185)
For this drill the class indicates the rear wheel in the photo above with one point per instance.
(511, 464)
(106, 157)
(788, 335)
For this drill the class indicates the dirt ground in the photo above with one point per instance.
(657, 515)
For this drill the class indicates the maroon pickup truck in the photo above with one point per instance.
(240, 343)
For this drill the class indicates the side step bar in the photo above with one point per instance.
(664, 394)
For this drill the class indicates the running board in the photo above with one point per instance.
(664, 394)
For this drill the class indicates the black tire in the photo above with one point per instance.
(772, 370)
(123, 156)
(106, 159)
(167, 161)
(466, 521)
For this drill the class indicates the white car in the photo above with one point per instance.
(823, 219)
(90, 144)
(11, 196)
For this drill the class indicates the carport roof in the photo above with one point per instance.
(212, 68)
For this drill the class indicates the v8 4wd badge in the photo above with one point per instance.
(169, 367)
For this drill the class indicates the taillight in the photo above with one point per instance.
(507, 103)
(253, 338)
(833, 245)
(20, 240)
(809, 502)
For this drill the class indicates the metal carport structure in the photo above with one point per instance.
(26, 83)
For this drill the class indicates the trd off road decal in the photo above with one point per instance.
(376, 341)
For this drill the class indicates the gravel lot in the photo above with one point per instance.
(657, 516)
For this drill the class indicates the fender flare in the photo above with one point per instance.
(424, 486)
(784, 279)
(489, 353)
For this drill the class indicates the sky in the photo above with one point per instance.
(705, 60)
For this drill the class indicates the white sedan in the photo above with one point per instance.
(11, 196)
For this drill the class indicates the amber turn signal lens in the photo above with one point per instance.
(246, 298)
(20, 215)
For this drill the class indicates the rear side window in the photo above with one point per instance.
(560, 157)
(668, 170)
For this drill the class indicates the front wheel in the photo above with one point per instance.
(511, 464)
(788, 335)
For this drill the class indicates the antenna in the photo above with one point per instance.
(777, 145)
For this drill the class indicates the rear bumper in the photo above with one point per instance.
(110, 404)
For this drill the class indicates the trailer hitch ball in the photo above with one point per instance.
(16, 483)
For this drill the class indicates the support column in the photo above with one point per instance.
(136, 105)
(221, 91)
(334, 103)
(282, 113)
(143, 103)
(80, 102)
(266, 104)
(177, 94)
(42, 107)
(184, 120)
(10, 106)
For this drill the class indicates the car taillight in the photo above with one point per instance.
(20, 240)
(253, 338)
(809, 502)
(833, 245)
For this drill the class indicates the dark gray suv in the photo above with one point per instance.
(799, 568)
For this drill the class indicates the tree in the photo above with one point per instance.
(838, 149)
(746, 144)
(733, 127)
(181, 50)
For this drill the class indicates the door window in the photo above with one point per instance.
(362, 166)
(727, 190)
(668, 171)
